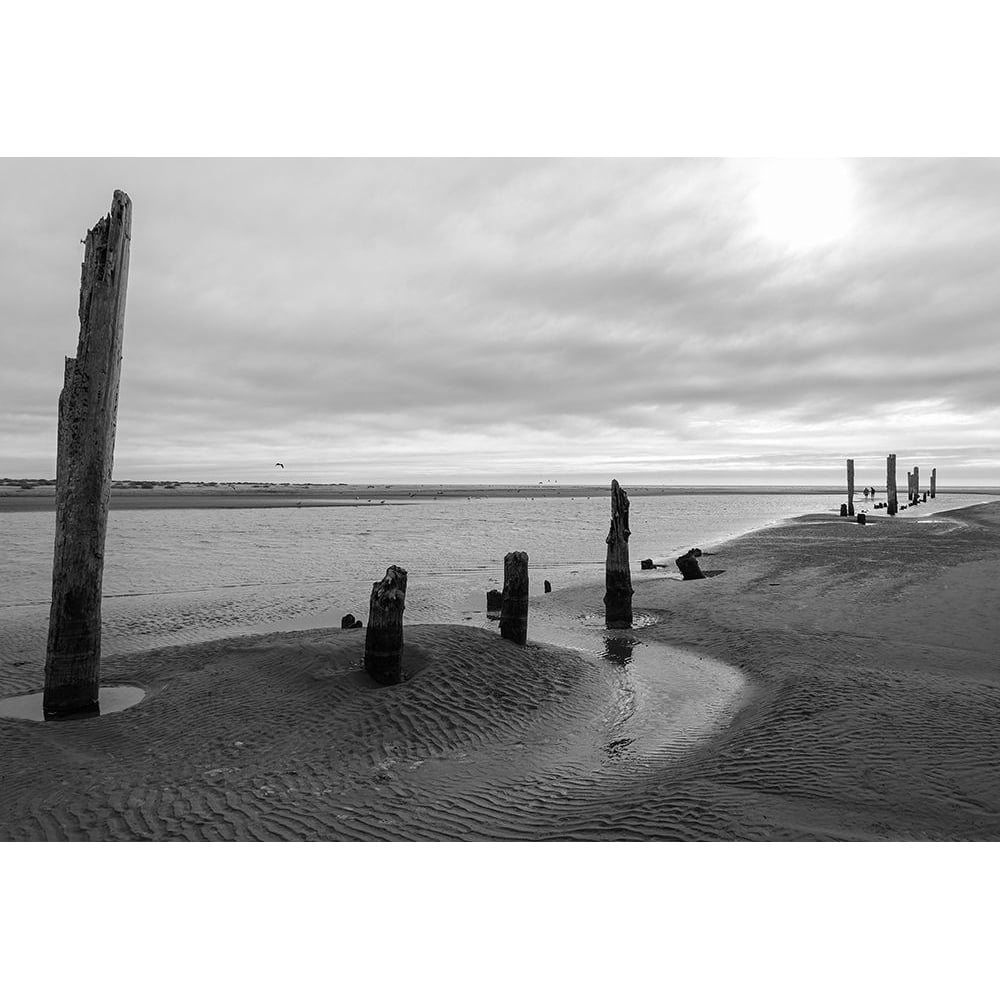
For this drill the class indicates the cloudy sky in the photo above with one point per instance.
(663, 321)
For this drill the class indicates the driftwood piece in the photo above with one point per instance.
(688, 565)
(617, 575)
(850, 487)
(890, 484)
(384, 637)
(514, 610)
(88, 414)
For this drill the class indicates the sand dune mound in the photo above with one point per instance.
(285, 737)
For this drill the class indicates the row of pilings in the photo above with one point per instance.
(891, 504)
(384, 636)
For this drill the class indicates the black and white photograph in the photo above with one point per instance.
(576, 492)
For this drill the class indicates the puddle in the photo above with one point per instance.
(29, 706)
(673, 699)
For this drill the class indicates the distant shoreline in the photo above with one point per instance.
(259, 496)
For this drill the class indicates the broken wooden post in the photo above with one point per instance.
(514, 611)
(861, 517)
(890, 484)
(494, 601)
(384, 637)
(617, 576)
(688, 564)
(850, 487)
(933, 482)
(916, 483)
(88, 413)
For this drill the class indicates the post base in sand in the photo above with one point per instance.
(110, 699)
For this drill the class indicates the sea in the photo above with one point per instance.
(179, 576)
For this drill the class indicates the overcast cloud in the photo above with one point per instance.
(498, 320)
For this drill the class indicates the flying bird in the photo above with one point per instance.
(276, 464)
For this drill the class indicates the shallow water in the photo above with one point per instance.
(114, 698)
(181, 576)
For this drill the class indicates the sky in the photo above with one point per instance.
(660, 321)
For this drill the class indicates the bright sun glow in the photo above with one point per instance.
(803, 203)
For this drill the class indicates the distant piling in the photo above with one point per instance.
(850, 487)
(890, 485)
(88, 417)
(514, 608)
(617, 575)
(384, 638)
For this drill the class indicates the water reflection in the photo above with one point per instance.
(618, 649)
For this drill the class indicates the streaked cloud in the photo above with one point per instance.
(504, 319)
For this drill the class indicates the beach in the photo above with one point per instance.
(858, 699)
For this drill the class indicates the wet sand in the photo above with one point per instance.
(868, 708)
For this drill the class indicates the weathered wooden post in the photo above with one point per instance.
(617, 576)
(384, 637)
(890, 484)
(933, 482)
(514, 609)
(88, 413)
(850, 487)
(916, 484)
(909, 487)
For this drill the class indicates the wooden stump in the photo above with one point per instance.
(494, 601)
(688, 565)
(861, 517)
(384, 638)
(617, 575)
(843, 510)
(850, 487)
(514, 610)
(88, 414)
(890, 484)
(547, 587)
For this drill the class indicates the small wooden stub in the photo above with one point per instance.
(384, 637)
(514, 606)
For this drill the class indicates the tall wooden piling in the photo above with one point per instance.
(88, 413)
(617, 576)
(514, 607)
(933, 482)
(850, 487)
(916, 482)
(890, 485)
(384, 637)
